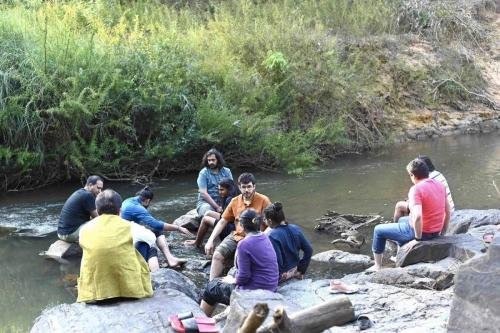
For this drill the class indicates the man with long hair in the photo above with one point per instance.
(212, 172)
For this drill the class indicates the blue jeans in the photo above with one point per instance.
(400, 232)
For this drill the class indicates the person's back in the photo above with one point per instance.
(431, 194)
(287, 241)
(111, 267)
(257, 264)
(76, 211)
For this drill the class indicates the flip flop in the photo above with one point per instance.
(339, 287)
(186, 323)
(364, 322)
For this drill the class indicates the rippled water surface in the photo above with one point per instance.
(362, 184)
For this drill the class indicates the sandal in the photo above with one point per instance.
(364, 322)
(339, 287)
(488, 237)
(187, 323)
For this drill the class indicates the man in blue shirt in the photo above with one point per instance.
(135, 209)
(208, 180)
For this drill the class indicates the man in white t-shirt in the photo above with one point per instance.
(402, 208)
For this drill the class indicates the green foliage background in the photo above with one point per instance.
(130, 88)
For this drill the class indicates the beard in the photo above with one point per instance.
(212, 166)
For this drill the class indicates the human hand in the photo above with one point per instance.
(298, 275)
(185, 231)
(219, 209)
(229, 279)
(209, 248)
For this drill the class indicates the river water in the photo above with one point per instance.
(360, 184)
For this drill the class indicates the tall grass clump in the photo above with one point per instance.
(130, 88)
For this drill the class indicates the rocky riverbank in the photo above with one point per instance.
(413, 298)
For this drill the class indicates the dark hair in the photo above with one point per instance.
(108, 202)
(418, 168)
(427, 161)
(275, 213)
(92, 180)
(246, 178)
(230, 186)
(145, 193)
(218, 156)
(250, 220)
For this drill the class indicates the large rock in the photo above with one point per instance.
(343, 260)
(166, 278)
(438, 276)
(393, 309)
(190, 220)
(243, 301)
(476, 304)
(464, 219)
(461, 247)
(60, 250)
(334, 223)
(144, 315)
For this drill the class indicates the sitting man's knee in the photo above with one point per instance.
(218, 256)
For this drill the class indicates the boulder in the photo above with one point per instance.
(143, 315)
(60, 250)
(438, 276)
(166, 278)
(343, 260)
(463, 219)
(461, 247)
(391, 308)
(190, 220)
(243, 301)
(476, 304)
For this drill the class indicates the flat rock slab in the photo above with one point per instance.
(461, 247)
(144, 315)
(344, 260)
(60, 250)
(463, 219)
(476, 304)
(190, 220)
(393, 309)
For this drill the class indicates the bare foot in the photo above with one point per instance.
(374, 268)
(175, 262)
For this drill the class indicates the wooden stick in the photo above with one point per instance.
(254, 318)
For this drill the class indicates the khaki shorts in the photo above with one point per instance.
(72, 237)
(227, 248)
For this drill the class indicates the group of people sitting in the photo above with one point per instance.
(120, 241)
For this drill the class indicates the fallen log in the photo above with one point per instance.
(335, 312)
(254, 318)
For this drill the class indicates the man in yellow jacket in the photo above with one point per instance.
(111, 267)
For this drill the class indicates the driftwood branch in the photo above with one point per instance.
(335, 312)
(254, 318)
(488, 101)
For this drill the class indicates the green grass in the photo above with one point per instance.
(120, 87)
